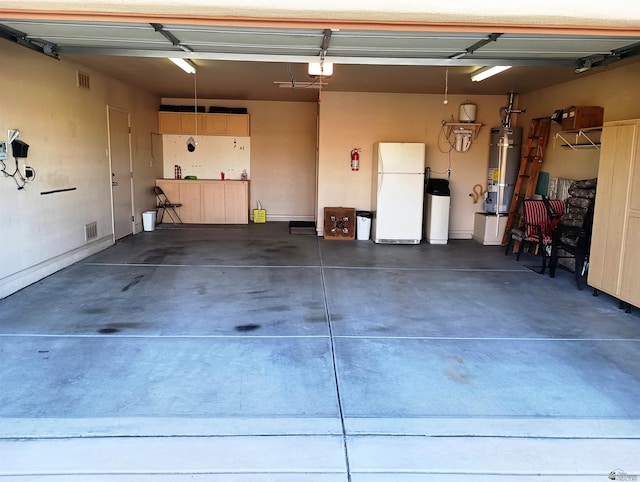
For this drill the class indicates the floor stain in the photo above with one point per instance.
(158, 255)
(456, 371)
(94, 311)
(315, 319)
(108, 330)
(135, 281)
(249, 327)
(116, 328)
(278, 308)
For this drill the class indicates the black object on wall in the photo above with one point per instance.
(19, 148)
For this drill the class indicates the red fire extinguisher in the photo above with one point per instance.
(355, 159)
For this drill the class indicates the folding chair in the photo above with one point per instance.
(164, 205)
(540, 219)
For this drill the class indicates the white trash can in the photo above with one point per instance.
(149, 220)
(438, 205)
(363, 225)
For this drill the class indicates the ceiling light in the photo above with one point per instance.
(320, 69)
(301, 85)
(486, 72)
(185, 64)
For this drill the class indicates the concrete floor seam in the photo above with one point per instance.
(163, 337)
(472, 436)
(355, 268)
(333, 336)
(172, 436)
(201, 265)
(138, 473)
(460, 338)
(334, 363)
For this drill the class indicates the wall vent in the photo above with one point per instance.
(83, 80)
(90, 231)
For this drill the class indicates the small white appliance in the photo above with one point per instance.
(397, 193)
(436, 226)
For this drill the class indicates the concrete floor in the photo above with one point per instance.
(249, 354)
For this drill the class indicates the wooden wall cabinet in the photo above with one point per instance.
(614, 261)
(208, 201)
(184, 123)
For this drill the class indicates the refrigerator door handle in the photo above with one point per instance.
(380, 181)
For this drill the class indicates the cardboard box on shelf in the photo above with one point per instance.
(582, 117)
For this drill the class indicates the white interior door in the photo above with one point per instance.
(121, 171)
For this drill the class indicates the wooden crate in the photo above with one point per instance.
(340, 223)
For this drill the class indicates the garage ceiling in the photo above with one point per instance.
(246, 63)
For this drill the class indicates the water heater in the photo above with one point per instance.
(504, 164)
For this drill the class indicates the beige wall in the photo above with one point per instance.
(66, 128)
(349, 120)
(616, 90)
(283, 155)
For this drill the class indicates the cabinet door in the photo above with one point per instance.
(215, 124)
(236, 198)
(213, 203)
(170, 122)
(610, 207)
(630, 277)
(172, 191)
(238, 125)
(170, 188)
(188, 123)
(191, 210)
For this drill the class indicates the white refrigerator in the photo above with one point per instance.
(397, 192)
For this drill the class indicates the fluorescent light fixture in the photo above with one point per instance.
(185, 64)
(320, 69)
(301, 85)
(486, 72)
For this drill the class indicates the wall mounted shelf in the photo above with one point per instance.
(582, 138)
